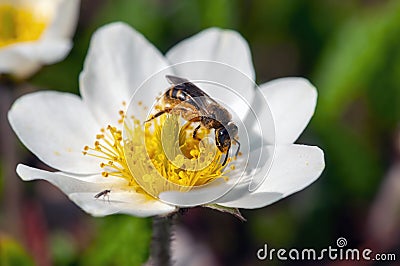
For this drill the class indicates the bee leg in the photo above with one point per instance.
(167, 110)
(195, 132)
(238, 149)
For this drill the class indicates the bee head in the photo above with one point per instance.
(232, 129)
(223, 136)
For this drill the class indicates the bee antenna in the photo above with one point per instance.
(174, 80)
(238, 149)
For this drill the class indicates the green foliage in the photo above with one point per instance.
(220, 13)
(145, 16)
(62, 248)
(13, 254)
(278, 227)
(359, 50)
(357, 77)
(121, 240)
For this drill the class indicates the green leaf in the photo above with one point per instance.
(121, 240)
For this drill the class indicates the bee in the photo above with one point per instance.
(103, 194)
(194, 105)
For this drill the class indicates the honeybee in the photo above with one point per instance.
(194, 105)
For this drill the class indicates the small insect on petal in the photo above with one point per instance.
(103, 194)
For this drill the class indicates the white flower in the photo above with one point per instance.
(56, 126)
(35, 33)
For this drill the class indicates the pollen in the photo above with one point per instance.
(157, 156)
(20, 24)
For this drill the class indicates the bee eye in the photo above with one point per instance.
(223, 132)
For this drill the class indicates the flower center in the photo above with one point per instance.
(159, 156)
(20, 24)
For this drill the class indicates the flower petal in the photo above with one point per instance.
(65, 19)
(220, 57)
(225, 46)
(56, 126)
(258, 123)
(294, 168)
(25, 58)
(70, 183)
(72, 186)
(126, 202)
(292, 102)
(43, 52)
(197, 196)
(93, 206)
(254, 200)
(82, 192)
(119, 60)
(13, 62)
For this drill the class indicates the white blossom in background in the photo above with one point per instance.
(34, 33)
(56, 126)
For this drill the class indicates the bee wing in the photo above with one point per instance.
(174, 80)
(206, 105)
(194, 94)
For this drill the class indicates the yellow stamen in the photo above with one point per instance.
(20, 24)
(160, 156)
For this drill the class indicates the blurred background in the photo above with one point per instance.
(350, 50)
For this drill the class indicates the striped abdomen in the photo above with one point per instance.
(180, 95)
